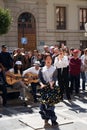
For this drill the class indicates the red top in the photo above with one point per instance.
(74, 66)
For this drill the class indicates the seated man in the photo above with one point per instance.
(15, 78)
(34, 70)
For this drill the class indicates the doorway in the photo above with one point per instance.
(27, 31)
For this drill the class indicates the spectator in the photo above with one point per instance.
(61, 63)
(20, 56)
(74, 70)
(34, 57)
(5, 58)
(84, 69)
(46, 49)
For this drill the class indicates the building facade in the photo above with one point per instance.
(39, 22)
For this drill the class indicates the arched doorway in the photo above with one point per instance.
(27, 31)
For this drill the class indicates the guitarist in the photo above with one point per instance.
(34, 70)
(18, 69)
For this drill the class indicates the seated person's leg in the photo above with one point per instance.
(34, 91)
(4, 94)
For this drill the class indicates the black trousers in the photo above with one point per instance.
(4, 93)
(34, 90)
(63, 81)
(75, 83)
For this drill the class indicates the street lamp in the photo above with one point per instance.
(23, 20)
(23, 39)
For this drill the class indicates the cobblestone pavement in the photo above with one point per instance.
(71, 115)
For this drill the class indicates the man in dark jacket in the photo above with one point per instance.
(5, 58)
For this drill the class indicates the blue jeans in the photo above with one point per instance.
(47, 112)
(83, 80)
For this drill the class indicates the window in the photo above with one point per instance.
(60, 17)
(83, 17)
(26, 23)
(61, 43)
(83, 44)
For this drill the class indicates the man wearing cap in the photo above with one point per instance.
(14, 73)
(34, 70)
(5, 58)
(74, 71)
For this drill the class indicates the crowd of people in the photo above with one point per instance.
(55, 65)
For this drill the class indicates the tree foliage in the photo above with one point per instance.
(5, 20)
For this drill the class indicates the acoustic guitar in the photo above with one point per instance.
(30, 77)
(27, 78)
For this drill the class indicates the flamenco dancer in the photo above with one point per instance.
(49, 92)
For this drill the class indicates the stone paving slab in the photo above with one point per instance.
(75, 126)
(79, 112)
(11, 124)
(35, 121)
(26, 128)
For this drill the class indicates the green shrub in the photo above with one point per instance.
(5, 20)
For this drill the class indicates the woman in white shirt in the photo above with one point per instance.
(61, 62)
